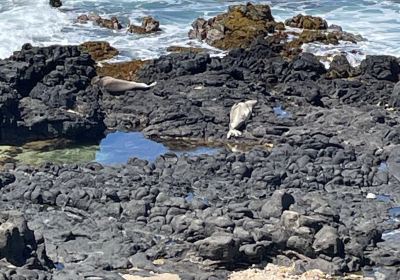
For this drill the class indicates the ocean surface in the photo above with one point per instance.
(23, 21)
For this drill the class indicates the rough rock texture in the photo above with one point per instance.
(180, 49)
(18, 244)
(55, 3)
(307, 22)
(121, 70)
(340, 67)
(112, 23)
(243, 24)
(303, 201)
(331, 142)
(149, 25)
(99, 50)
(236, 28)
(46, 93)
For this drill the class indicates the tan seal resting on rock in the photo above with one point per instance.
(116, 85)
(240, 113)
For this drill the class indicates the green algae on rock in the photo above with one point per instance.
(122, 70)
(99, 50)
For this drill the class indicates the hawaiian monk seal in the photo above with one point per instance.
(240, 113)
(116, 85)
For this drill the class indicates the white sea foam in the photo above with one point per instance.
(23, 21)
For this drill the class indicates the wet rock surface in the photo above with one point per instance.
(112, 23)
(307, 22)
(243, 24)
(55, 3)
(149, 25)
(236, 28)
(303, 201)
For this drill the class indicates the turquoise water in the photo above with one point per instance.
(35, 22)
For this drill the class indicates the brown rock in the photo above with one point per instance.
(280, 26)
(82, 19)
(99, 50)
(122, 70)
(236, 28)
(346, 36)
(340, 68)
(309, 36)
(179, 49)
(149, 25)
(307, 22)
(112, 23)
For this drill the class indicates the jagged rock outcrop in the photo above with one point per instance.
(307, 22)
(112, 23)
(236, 28)
(46, 93)
(149, 25)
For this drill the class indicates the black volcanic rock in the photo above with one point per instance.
(46, 93)
(55, 3)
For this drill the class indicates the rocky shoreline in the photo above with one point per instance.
(310, 199)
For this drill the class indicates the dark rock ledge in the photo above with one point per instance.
(303, 201)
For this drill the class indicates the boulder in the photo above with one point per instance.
(236, 28)
(46, 93)
(395, 96)
(18, 244)
(179, 49)
(149, 25)
(381, 67)
(279, 202)
(99, 50)
(327, 241)
(340, 67)
(122, 70)
(55, 3)
(6, 179)
(307, 22)
(218, 247)
(112, 23)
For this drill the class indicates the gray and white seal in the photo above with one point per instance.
(117, 85)
(240, 113)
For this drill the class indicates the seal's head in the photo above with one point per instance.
(251, 103)
(96, 81)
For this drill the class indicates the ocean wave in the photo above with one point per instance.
(23, 21)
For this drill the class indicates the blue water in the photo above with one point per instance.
(281, 113)
(383, 166)
(383, 198)
(35, 22)
(119, 147)
(394, 212)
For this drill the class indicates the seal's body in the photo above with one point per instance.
(240, 113)
(117, 85)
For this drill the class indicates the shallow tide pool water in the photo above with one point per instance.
(115, 148)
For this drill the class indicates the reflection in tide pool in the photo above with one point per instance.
(119, 147)
(115, 148)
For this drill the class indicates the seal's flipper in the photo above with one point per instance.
(233, 132)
